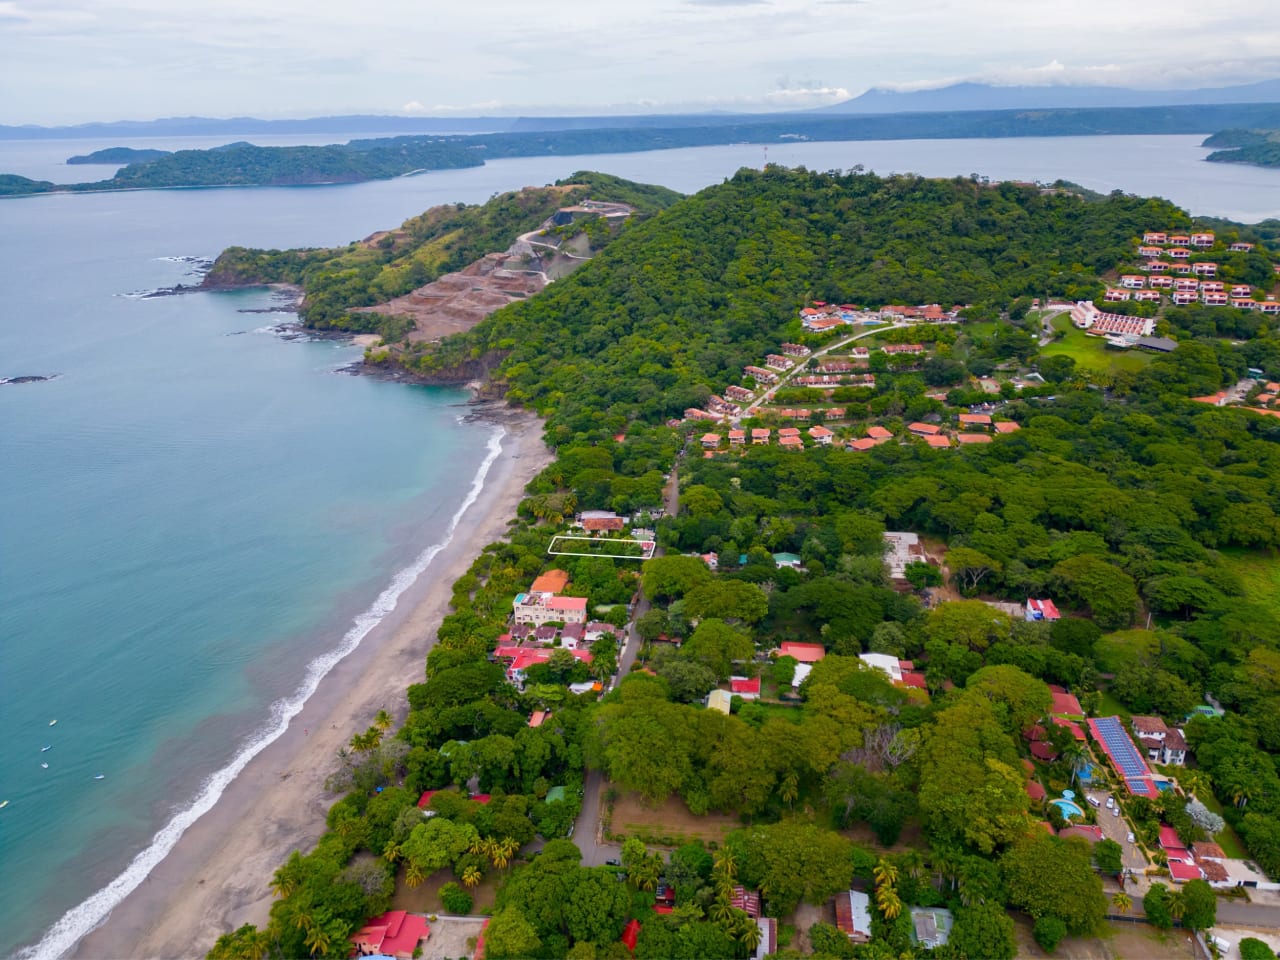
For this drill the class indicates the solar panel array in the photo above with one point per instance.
(1141, 786)
(1123, 753)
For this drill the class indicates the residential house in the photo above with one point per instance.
(1241, 290)
(1241, 247)
(719, 700)
(790, 443)
(821, 435)
(1180, 240)
(853, 916)
(1186, 284)
(1184, 297)
(907, 348)
(923, 429)
(1156, 266)
(551, 582)
(1157, 283)
(1064, 703)
(760, 435)
(1213, 286)
(791, 560)
(1205, 269)
(538, 608)
(544, 634)
(879, 433)
(1243, 303)
(748, 901)
(776, 361)
(1162, 743)
(796, 350)
(1181, 269)
(889, 665)
(1153, 237)
(1150, 253)
(1041, 610)
(521, 658)
(1116, 295)
(834, 413)
(938, 440)
(597, 629)
(975, 419)
(860, 353)
(1007, 426)
(1180, 253)
(837, 366)
(710, 441)
(599, 525)
(748, 688)
(735, 392)
(721, 406)
(792, 413)
(966, 439)
(693, 413)
(768, 943)
(903, 548)
(1202, 240)
(737, 438)
(803, 652)
(395, 933)
(1133, 281)
(572, 635)
(1147, 296)
(931, 926)
(1214, 299)
(761, 375)
(789, 432)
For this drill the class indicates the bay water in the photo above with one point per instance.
(195, 508)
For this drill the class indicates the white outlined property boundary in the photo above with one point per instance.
(646, 548)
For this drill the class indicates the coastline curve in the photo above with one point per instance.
(82, 919)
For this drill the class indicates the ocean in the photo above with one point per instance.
(197, 510)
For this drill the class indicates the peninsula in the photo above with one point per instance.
(243, 164)
(1259, 148)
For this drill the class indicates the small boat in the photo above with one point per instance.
(3, 804)
(44, 766)
(49, 747)
(52, 722)
(100, 776)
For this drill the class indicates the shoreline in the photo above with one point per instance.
(217, 876)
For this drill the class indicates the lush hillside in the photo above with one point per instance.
(1260, 148)
(441, 240)
(118, 155)
(681, 303)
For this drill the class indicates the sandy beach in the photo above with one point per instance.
(217, 876)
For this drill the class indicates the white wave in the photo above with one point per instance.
(84, 918)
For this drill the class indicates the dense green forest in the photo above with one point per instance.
(443, 239)
(114, 155)
(1261, 148)
(1144, 514)
(242, 164)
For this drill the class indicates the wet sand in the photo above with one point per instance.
(217, 877)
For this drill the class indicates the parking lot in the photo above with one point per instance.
(1116, 827)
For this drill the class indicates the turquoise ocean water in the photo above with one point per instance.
(195, 509)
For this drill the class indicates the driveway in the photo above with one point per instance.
(1117, 828)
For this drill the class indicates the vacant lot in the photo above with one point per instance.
(671, 820)
(1093, 352)
(452, 938)
(425, 898)
(1120, 941)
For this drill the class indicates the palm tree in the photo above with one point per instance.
(1075, 755)
(317, 939)
(749, 934)
(888, 901)
(726, 864)
(911, 862)
(471, 876)
(789, 789)
(479, 846)
(1196, 782)
(413, 874)
(885, 873)
(1121, 901)
(391, 852)
(721, 910)
(288, 877)
(382, 721)
(1177, 904)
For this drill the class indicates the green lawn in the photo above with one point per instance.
(1109, 706)
(1260, 572)
(1093, 352)
(1226, 838)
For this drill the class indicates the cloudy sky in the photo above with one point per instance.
(71, 61)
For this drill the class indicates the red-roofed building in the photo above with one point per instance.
(914, 678)
(879, 433)
(975, 419)
(631, 934)
(538, 718)
(923, 429)
(747, 689)
(821, 435)
(864, 443)
(737, 438)
(426, 798)
(392, 934)
(760, 435)
(1065, 703)
(971, 438)
(791, 443)
(1043, 751)
(538, 608)
(1182, 872)
(938, 440)
(853, 915)
(748, 901)
(1077, 731)
(803, 652)
(551, 582)
(1035, 791)
(710, 441)
(479, 954)
(1037, 610)
(1007, 426)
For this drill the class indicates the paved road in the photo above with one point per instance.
(1117, 828)
(1248, 914)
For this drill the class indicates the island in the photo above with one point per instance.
(901, 576)
(243, 164)
(118, 156)
(1259, 148)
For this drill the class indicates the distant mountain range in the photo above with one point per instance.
(982, 96)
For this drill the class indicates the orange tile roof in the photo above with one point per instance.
(937, 440)
(972, 438)
(1007, 426)
(553, 581)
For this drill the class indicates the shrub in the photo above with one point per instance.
(455, 899)
(1049, 932)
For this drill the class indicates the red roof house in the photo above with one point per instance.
(804, 652)
(392, 934)
(879, 433)
(630, 935)
(1182, 872)
(742, 687)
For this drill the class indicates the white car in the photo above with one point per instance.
(1115, 811)
(1130, 837)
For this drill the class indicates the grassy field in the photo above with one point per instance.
(1260, 572)
(1093, 352)
(1226, 838)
